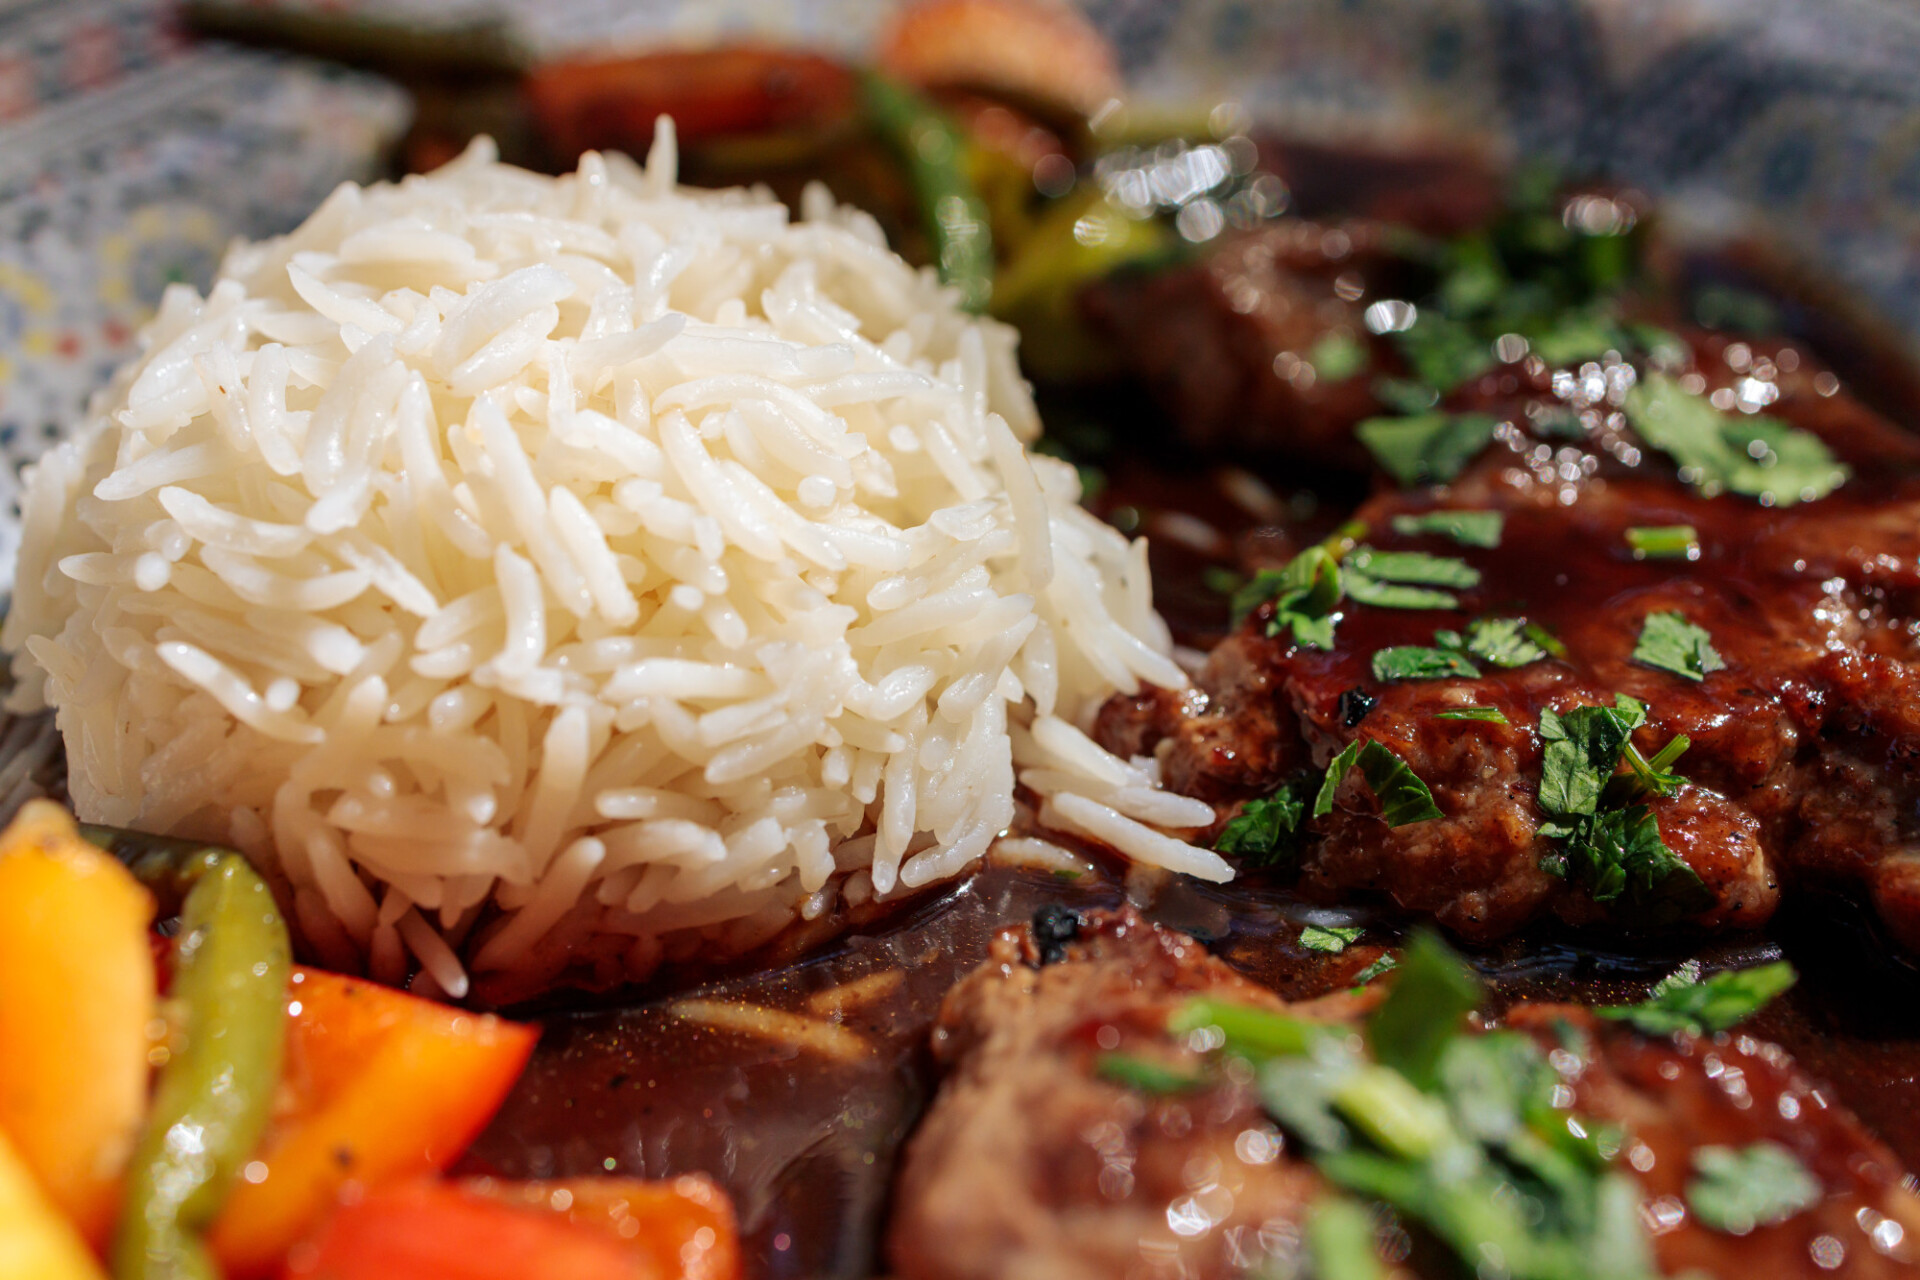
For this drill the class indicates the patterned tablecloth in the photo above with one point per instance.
(129, 157)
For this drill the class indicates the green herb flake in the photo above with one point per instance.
(1222, 580)
(1443, 352)
(1500, 642)
(1582, 751)
(1332, 939)
(1492, 715)
(1664, 542)
(1668, 642)
(1683, 1001)
(1265, 831)
(1546, 640)
(1340, 1240)
(1468, 528)
(1404, 798)
(1144, 1074)
(1655, 776)
(1619, 854)
(1337, 357)
(1414, 567)
(1735, 1189)
(1416, 662)
(1427, 1008)
(1758, 457)
(1616, 853)
(1385, 964)
(1254, 1034)
(1575, 336)
(1404, 396)
(1393, 595)
(1303, 595)
(1427, 448)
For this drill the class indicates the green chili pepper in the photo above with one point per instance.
(934, 151)
(216, 1090)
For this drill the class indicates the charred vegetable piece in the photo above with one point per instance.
(216, 1090)
(379, 1087)
(36, 1239)
(934, 152)
(76, 998)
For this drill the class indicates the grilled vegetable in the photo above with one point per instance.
(35, 1238)
(457, 1233)
(379, 1087)
(934, 152)
(216, 1089)
(76, 998)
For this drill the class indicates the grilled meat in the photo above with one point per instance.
(1031, 1163)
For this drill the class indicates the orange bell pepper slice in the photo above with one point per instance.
(684, 1227)
(419, 1229)
(76, 1007)
(35, 1240)
(379, 1087)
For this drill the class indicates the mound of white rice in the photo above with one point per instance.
(534, 569)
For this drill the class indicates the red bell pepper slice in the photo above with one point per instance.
(379, 1087)
(422, 1228)
(684, 1227)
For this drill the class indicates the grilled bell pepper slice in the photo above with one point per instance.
(35, 1239)
(447, 1231)
(379, 1087)
(76, 1001)
(684, 1226)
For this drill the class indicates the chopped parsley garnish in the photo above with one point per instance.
(1404, 396)
(1426, 1009)
(1463, 1134)
(1664, 542)
(1684, 1001)
(1501, 642)
(1655, 777)
(1405, 579)
(1468, 528)
(1222, 580)
(1415, 662)
(1759, 457)
(1340, 1240)
(1492, 715)
(1332, 939)
(1303, 595)
(1264, 832)
(1412, 566)
(1385, 964)
(1614, 853)
(1337, 357)
(1582, 751)
(1144, 1074)
(1427, 448)
(1668, 642)
(1443, 352)
(1735, 1189)
(1403, 797)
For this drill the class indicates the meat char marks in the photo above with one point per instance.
(1035, 1162)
